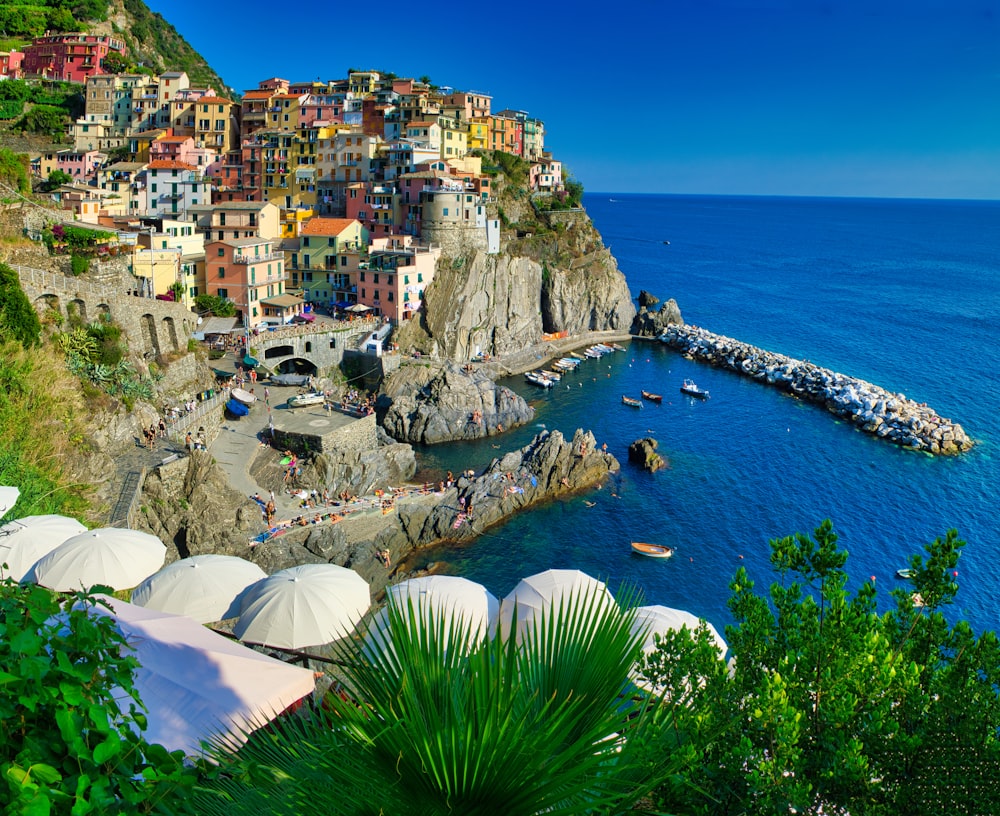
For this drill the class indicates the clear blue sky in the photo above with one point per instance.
(760, 97)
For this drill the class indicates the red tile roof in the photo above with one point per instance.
(170, 164)
(326, 226)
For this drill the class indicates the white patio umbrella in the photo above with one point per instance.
(112, 556)
(657, 620)
(358, 307)
(307, 605)
(540, 595)
(199, 685)
(204, 587)
(8, 498)
(25, 540)
(441, 598)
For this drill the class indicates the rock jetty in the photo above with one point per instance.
(871, 408)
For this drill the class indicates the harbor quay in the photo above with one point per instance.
(873, 409)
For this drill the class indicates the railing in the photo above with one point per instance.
(249, 259)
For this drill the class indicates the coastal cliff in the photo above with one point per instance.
(552, 275)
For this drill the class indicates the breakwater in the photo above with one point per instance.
(871, 408)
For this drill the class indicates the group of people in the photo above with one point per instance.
(192, 443)
(156, 430)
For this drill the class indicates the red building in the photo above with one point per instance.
(69, 57)
(10, 64)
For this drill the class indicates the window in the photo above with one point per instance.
(390, 297)
(221, 251)
(222, 271)
(309, 346)
(446, 211)
(223, 293)
(362, 277)
(375, 278)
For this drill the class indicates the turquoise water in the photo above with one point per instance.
(905, 294)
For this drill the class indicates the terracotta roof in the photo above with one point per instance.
(326, 226)
(258, 94)
(213, 99)
(170, 164)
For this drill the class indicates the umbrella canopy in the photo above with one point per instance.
(25, 540)
(358, 307)
(199, 685)
(540, 595)
(203, 587)
(115, 557)
(8, 498)
(656, 620)
(301, 606)
(439, 598)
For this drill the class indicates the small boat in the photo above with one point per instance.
(537, 379)
(652, 550)
(693, 390)
(905, 573)
(632, 401)
(236, 408)
(666, 243)
(250, 362)
(245, 397)
(309, 398)
(646, 395)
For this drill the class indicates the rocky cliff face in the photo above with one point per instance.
(427, 406)
(553, 274)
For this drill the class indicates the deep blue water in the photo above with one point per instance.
(905, 294)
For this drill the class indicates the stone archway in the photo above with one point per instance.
(171, 333)
(80, 306)
(47, 303)
(150, 340)
(103, 311)
(297, 365)
(278, 351)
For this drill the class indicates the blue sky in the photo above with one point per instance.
(756, 97)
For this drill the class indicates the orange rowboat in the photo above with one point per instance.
(652, 550)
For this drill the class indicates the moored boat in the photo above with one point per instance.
(905, 573)
(236, 408)
(632, 401)
(689, 387)
(552, 375)
(250, 362)
(240, 395)
(652, 550)
(309, 398)
(648, 395)
(537, 379)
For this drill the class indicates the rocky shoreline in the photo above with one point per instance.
(873, 409)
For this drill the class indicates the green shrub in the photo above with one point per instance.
(18, 319)
(79, 264)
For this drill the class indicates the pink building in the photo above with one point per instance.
(69, 57)
(10, 64)
(250, 273)
(398, 271)
(80, 164)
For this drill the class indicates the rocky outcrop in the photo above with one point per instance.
(358, 471)
(427, 406)
(559, 281)
(869, 407)
(191, 505)
(643, 453)
(547, 466)
(650, 322)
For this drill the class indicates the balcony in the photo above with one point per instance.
(251, 259)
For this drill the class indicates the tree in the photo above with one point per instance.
(70, 718)
(56, 178)
(835, 708)
(216, 305)
(427, 727)
(115, 63)
(14, 169)
(17, 317)
(45, 119)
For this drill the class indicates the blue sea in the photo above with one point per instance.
(903, 293)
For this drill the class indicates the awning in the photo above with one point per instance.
(342, 304)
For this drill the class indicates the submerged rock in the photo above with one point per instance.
(643, 453)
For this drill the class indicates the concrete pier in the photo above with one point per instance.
(871, 408)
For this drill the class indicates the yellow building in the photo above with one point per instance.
(454, 138)
(479, 133)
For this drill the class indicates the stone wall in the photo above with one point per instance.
(357, 437)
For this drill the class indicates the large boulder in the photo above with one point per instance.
(455, 402)
(643, 453)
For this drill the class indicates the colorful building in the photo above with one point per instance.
(321, 242)
(69, 57)
(248, 272)
(398, 271)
